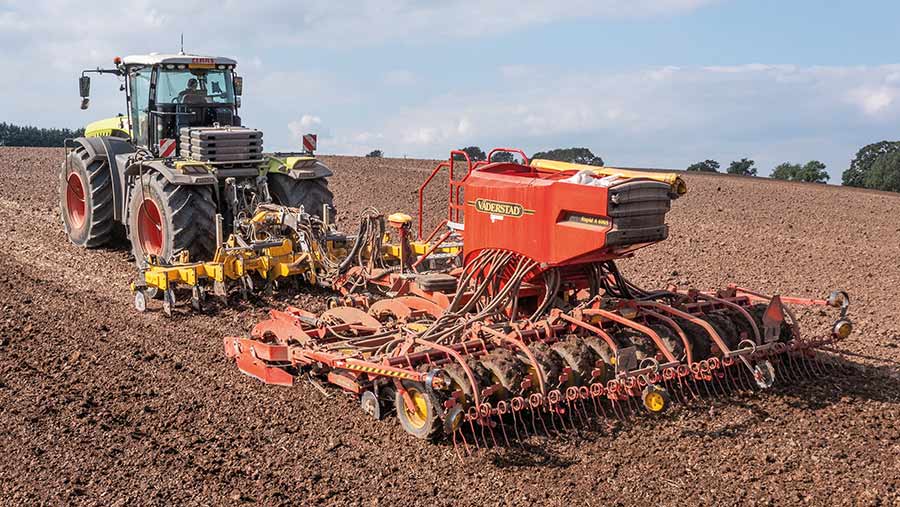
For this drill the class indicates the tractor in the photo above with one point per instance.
(179, 166)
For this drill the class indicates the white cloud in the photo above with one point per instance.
(399, 77)
(874, 100)
(665, 116)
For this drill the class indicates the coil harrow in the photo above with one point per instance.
(474, 375)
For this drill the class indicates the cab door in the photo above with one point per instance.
(139, 80)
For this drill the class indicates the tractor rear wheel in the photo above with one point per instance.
(312, 195)
(86, 199)
(166, 219)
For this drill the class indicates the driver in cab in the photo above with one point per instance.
(192, 94)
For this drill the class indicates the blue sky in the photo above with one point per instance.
(641, 82)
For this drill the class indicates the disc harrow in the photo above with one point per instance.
(480, 378)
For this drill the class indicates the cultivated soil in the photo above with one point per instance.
(101, 405)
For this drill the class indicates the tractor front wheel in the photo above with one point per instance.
(166, 219)
(312, 194)
(86, 199)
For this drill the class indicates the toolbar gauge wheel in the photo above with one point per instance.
(656, 399)
(421, 420)
(140, 301)
(371, 405)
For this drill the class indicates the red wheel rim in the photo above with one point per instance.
(150, 229)
(75, 206)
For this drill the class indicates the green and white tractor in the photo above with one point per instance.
(160, 174)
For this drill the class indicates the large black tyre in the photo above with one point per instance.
(86, 199)
(166, 219)
(312, 195)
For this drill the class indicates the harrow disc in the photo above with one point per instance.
(578, 357)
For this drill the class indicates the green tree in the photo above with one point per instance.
(503, 156)
(707, 166)
(884, 173)
(742, 167)
(574, 155)
(812, 171)
(15, 135)
(375, 154)
(786, 171)
(856, 174)
(475, 153)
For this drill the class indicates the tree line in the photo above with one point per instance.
(16, 135)
(875, 166)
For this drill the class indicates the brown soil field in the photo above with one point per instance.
(101, 405)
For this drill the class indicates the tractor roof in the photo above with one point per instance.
(160, 58)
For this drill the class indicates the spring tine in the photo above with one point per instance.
(489, 423)
(684, 388)
(474, 433)
(781, 368)
(582, 406)
(676, 390)
(831, 361)
(735, 377)
(553, 421)
(541, 418)
(735, 382)
(631, 407)
(801, 373)
(726, 381)
(747, 381)
(571, 417)
(713, 382)
(594, 403)
(801, 367)
(616, 409)
(705, 387)
(827, 365)
(810, 366)
(503, 430)
(456, 432)
(693, 389)
(462, 434)
(516, 427)
(818, 365)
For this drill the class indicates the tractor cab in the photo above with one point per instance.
(166, 93)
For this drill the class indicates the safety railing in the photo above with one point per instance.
(455, 207)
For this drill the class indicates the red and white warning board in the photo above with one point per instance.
(309, 142)
(166, 148)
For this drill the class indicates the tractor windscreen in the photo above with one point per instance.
(195, 86)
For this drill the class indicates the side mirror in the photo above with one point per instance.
(84, 89)
(84, 86)
(238, 86)
(237, 101)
